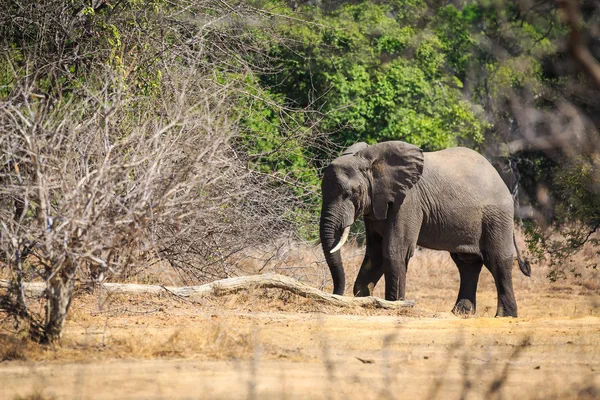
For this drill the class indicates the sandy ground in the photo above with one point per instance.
(270, 344)
(303, 356)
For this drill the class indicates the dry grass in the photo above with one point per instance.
(36, 395)
(147, 326)
(13, 348)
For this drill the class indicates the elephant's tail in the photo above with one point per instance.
(523, 263)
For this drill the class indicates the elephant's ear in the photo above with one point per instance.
(396, 167)
(355, 148)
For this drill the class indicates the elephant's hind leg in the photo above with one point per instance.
(501, 269)
(498, 257)
(469, 267)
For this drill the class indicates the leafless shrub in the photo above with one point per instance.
(99, 192)
(132, 163)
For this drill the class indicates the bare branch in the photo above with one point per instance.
(577, 45)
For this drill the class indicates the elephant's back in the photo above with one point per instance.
(467, 174)
(462, 196)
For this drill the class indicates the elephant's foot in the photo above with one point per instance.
(463, 308)
(506, 312)
(363, 291)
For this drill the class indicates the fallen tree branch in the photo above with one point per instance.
(228, 286)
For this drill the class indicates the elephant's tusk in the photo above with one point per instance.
(342, 240)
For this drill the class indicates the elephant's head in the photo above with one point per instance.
(364, 180)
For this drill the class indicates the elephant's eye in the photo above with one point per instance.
(346, 192)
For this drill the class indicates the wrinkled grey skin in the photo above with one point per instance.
(451, 200)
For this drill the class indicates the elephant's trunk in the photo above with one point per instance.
(331, 233)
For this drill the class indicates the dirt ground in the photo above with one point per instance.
(271, 344)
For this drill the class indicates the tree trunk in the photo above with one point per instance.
(59, 291)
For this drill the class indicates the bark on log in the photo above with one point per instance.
(227, 286)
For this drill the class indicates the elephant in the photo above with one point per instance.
(452, 200)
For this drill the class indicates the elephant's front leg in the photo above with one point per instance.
(394, 269)
(371, 269)
(399, 242)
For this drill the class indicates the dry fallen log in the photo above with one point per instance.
(227, 286)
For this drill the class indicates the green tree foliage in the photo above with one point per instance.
(376, 74)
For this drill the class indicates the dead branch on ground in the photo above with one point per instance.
(229, 286)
